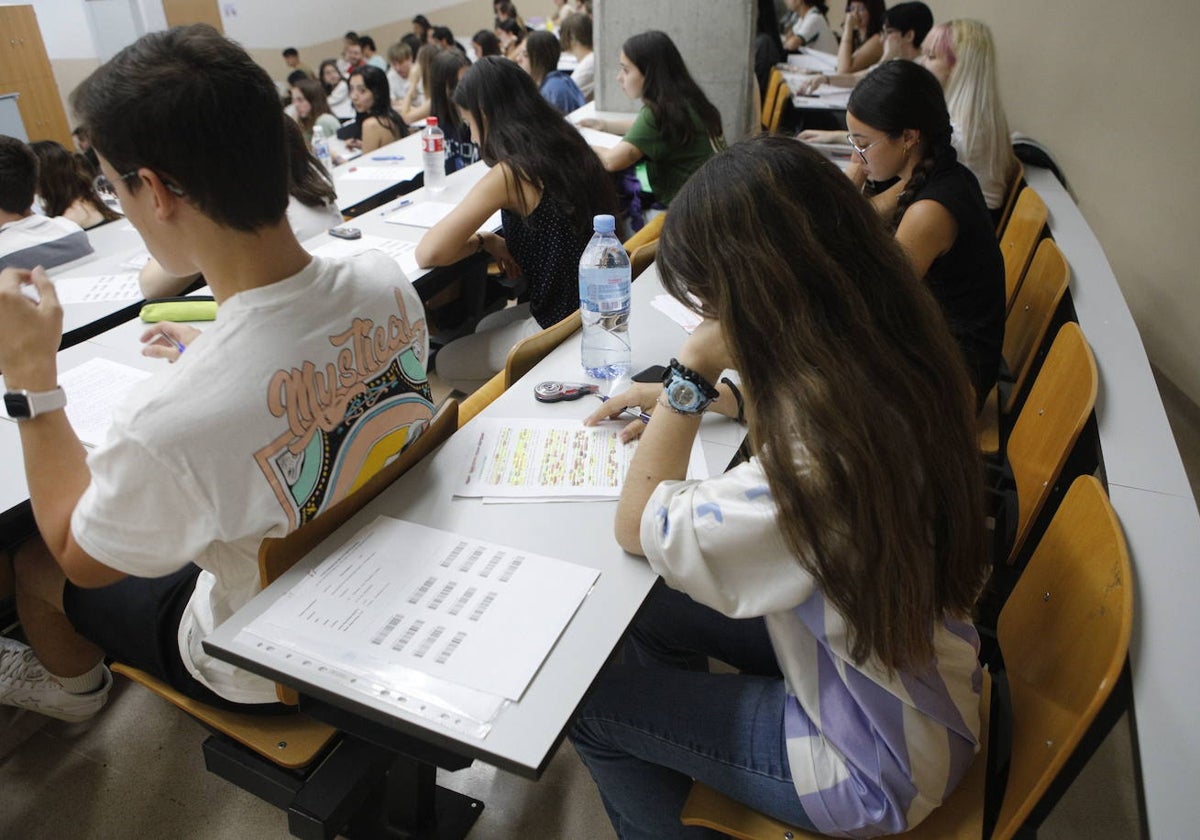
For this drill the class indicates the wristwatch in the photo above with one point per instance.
(25, 405)
(687, 392)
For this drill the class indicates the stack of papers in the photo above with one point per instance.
(434, 624)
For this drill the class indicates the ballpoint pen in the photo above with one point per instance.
(388, 157)
(629, 410)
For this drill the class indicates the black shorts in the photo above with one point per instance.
(136, 621)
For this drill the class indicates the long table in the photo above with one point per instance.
(526, 733)
(113, 245)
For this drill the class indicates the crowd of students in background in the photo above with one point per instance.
(881, 316)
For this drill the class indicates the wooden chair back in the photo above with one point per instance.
(774, 81)
(1058, 407)
(773, 118)
(278, 554)
(1021, 236)
(529, 351)
(1015, 185)
(1064, 633)
(642, 258)
(650, 232)
(480, 399)
(1032, 312)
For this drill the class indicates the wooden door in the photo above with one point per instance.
(182, 12)
(22, 54)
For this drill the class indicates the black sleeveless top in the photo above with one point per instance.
(968, 280)
(547, 247)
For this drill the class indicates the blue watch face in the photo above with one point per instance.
(685, 396)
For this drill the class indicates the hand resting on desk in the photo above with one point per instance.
(161, 340)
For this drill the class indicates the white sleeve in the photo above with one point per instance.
(808, 28)
(719, 541)
(139, 515)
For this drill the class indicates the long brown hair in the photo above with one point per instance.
(318, 103)
(848, 366)
(62, 181)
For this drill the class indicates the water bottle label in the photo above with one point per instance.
(433, 144)
(604, 290)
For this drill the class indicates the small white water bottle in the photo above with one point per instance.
(604, 295)
(320, 147)
(433, 155)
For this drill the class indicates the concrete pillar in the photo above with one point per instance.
(716, 38)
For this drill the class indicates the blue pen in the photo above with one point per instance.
(629, 410)
(179, 345)
(388, 157)
(406, 202)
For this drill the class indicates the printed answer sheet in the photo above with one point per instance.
(106, 287)
(552, 460)
(387, 172)
(424, 213)
(402, 610)
(404, 253)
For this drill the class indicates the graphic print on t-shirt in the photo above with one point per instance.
(348, 417)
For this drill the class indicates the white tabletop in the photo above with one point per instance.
(112, 244)
(351, 189)
(526, 733)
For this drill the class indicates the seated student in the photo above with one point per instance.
(835, 570)
(312, 109)
(370, 53)
(507, 10)
(291, 57)
(484, 43)
(415, 107)
(444, 74)
(676, 130)
(861, 45)
(421, 27)
(377, 121)
(151, 540)
(811, 28)
(351, 57)
(547, 186)
(444, 38)
(565, 9)
(312, 209)
(962, 57)
(27, 239)
(538, 57)
(65, 190)
(84, 145)
(900, 129)
(905, 26)
(768, 48)
(510, 33)
(337, 90)
(576, 39)
(399, 74)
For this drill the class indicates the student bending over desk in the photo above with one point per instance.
(547, 184)
(151, 540)
(837, 568)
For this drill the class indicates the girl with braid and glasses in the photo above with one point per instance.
(900, 129)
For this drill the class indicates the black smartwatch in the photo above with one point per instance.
(686, 391)
(25, 405)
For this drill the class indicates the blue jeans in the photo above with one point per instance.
(660, 720)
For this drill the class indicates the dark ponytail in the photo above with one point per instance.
(901, 95)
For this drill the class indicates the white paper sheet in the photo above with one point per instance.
(97, 289)
(404, 253)
(526, 460)
(411, 607)
(677, 312)
(395, 173)
(599, 138)
(809, 59)
(137, 262)
(94, 389)
(426, 214)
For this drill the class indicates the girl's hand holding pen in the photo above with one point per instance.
(167, 340)
(640, 396)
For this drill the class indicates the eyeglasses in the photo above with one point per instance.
(108, 191)
(862, 150)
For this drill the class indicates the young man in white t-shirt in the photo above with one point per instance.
(310, 380)
(28, 239)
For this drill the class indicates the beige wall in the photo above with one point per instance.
(1111, 90)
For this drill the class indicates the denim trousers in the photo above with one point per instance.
(658, 720)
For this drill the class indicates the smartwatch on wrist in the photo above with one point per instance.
(687, 392)
(25, 405)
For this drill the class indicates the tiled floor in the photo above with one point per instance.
(136, 771)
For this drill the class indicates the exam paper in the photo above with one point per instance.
(599, 138)
(526, 460)
(677, 312)
(138, 261)
(94, 390)
(98, 289)
(404, 253)
(380, 172)
(426, 214)
(413, 609)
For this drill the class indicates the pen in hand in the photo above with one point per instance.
(629, 411)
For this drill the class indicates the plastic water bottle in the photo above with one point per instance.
(604, 279)
(433, 155)
(320, 147)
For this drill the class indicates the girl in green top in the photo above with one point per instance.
(677, 129)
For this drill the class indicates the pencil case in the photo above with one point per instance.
(180, 309)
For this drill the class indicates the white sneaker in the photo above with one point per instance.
(26, 684)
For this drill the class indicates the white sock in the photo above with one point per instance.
(85, 682)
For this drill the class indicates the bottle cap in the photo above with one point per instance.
(604, 224)
(431, 121)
